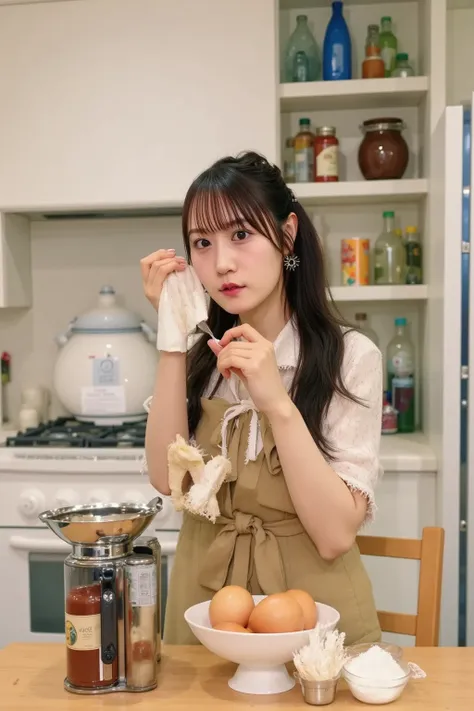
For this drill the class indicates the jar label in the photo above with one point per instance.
(327, 163)
(304, 165)
(402, 363)
(388, 56)
(83, 632)
(142, 580)
(413, 252)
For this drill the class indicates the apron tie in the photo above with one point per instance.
(233, 545)
(254, 443)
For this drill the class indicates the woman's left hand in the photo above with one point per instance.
(253, 361)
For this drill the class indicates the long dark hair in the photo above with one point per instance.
(251, 190)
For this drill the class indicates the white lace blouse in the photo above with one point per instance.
(354, 430)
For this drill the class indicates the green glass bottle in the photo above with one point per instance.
(388, 45)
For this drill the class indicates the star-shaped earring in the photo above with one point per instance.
(291, 262)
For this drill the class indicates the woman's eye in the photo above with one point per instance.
(201, 243)
(241, 235)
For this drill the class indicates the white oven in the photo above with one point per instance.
(32, 557)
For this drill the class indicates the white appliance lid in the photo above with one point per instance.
(107, 316)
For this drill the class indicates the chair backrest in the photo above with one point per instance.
(424, 626)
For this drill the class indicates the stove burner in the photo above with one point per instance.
(68, 432)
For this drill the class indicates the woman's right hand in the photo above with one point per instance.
(155, 268)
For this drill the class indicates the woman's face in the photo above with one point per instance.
(240, 268)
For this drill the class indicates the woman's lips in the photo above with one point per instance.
(231, 289)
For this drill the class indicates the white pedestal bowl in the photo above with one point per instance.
(261, 657)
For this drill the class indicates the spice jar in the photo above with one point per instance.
(383, 152)
(373, 66)
(326, 155)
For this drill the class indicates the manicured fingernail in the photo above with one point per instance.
(172, 251)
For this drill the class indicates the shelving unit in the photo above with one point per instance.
(353, 206)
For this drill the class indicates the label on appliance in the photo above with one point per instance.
(105, 400)
(83, 632)
(327, 163)
(142, 581)
(105, 371)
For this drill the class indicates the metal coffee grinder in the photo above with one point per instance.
(112, 596)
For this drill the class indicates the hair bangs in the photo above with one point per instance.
(216, 208)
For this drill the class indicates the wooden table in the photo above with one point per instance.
(193, 679)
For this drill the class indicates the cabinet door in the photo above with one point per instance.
(124, 102)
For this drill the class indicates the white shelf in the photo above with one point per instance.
(403, 292)
(361, 191)
(407, 453)
(352, 94)
(306, 4)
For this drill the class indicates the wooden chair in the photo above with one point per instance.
(424, 626)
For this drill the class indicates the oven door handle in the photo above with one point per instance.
(56, 545)
(38, 545)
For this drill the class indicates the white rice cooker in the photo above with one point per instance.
(106, 365)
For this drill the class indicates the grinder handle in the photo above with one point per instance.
(108, 616)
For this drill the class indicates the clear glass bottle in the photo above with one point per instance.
(389, 254)
(300, 67)
(400, 375)
(362, 325)
(302, 40)
(402, 66)
(388, 45)
(289, 161)
(414, 273)
(304, 153)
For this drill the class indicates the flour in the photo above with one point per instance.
(378, 678)
(375, 664)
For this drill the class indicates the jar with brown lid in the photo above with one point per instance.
(326, 155)
(383, 152)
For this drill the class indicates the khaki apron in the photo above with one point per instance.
(258, 541)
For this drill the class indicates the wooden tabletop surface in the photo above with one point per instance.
(193, 679)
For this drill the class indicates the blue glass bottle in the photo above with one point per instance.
(337, 49)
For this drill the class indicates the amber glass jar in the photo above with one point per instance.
(383, 152)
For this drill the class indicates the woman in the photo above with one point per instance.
(292, 396)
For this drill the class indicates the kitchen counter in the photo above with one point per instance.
(193, 679)
(407, 453)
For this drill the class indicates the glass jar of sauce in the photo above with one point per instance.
(383, 152)
(83, 639)
(326, 155)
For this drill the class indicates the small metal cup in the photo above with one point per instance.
(319, 693)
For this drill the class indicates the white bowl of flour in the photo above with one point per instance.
(375, 676)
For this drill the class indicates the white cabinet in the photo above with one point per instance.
(123, 102)
(15, 261)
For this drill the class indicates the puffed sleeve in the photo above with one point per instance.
(354, 429)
